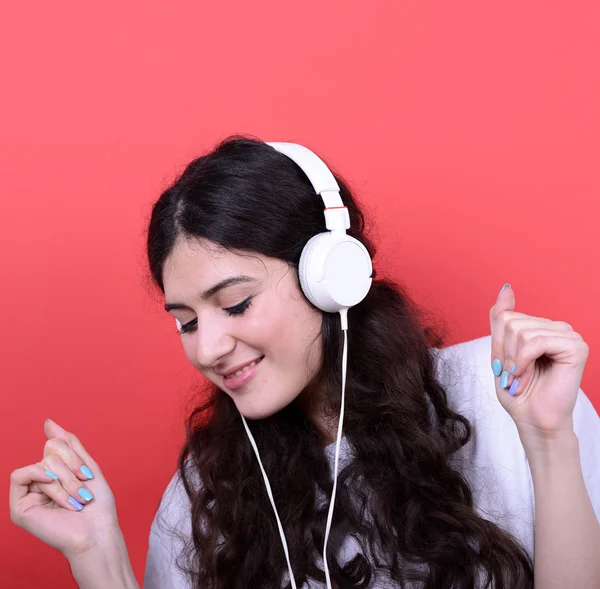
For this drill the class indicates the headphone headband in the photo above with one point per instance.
(322, 180)
(315, 168)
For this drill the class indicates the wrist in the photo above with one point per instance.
(551, 452)
(536, 438)
(104, 564)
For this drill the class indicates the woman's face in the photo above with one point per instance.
(247, 327)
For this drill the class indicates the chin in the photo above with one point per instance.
(261, 411)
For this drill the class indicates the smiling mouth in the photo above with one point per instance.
(243, 369)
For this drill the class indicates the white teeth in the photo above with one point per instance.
(238, 372)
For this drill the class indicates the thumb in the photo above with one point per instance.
(53, 430)
(504, 302)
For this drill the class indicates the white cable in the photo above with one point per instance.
(344, 320)
(270, 494)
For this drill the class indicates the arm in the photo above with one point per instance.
(105, 566)
(544, 361)
(567, 532)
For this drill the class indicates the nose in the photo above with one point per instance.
(213, 341)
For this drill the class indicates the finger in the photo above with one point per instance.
(500, 318)
(501, 314)
(514, 334)
(53, 430)
(499, 328)
(67, 490)
(41, 493)
(504, 302)
(73, 461)
(21, 478)
(517, 330)
(516, 379)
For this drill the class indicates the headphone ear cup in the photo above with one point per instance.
(305, 257)
(335, 271)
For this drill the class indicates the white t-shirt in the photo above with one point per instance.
(493, 462)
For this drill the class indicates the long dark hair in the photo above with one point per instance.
(399, 496)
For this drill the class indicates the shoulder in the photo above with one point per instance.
(494, 460)
(169, 534)
(465, 371)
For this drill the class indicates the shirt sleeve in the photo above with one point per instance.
(587, 428)
(494, 461)
(170, 531)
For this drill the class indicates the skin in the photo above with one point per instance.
(549, 357)
(279, 325)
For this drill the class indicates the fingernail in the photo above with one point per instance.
(497, 367)
(514, 367)
(507, 285)
(85, 494)
(75, 504)
(87, 472)
(513, 387)
(504, 380)
(50, 474)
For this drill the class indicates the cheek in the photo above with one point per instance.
(280, 325)
(300, 334)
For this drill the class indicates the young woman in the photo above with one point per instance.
(457, 465)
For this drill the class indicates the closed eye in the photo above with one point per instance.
(189, 326)
(240, 308)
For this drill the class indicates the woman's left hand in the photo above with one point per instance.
(538, 365)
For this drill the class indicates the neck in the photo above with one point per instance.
(315, 410)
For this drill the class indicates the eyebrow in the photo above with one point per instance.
(213, 290)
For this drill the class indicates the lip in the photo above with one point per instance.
(238, 367)
(237, 382)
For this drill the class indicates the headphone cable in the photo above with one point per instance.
(344, 322)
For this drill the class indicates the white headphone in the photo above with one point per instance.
(335, 269)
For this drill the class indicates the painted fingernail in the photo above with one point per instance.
(75, 504)
(507, 285)
(497, 367)
(504, 380)
(85, 494)
(513, 387)
(87, 472)
(514, 367)
(50, 474)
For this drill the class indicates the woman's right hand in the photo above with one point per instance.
(42, 505)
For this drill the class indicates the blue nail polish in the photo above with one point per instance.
(51, 474)
(507, 285)
(513, 387)
(504, 380)
(85, 494)
(75, 504)
(87, 472)
(497, 367)
(514, 367)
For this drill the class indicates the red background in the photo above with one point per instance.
(469, 129)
